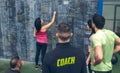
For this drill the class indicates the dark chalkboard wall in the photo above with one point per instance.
(17, 23)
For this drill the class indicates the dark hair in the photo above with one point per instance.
(14, 61)
(64, 31)
(99, 21)
(37, 24)
(89, 23)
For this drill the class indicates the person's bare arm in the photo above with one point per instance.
(117, 46)
(50, 23)
(88, 59)
(98, 55)
(34, 32)
(89, 56)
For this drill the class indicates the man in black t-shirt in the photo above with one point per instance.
(15, 65)
(65, 58)
(12, 71)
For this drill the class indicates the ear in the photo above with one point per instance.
(71, 34)
(93, 24)
(56, 35)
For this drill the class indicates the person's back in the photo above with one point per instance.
(107, 39)
(104, 44)
(65, 58)
(15, 65)
(42, 37)
(12, 71)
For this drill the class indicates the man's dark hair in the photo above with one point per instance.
(14, 61)
(37, 24)
(99, 21)
(64, 31)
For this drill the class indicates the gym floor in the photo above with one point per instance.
(29, 67)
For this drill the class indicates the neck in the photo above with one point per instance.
(15, 69)
(60, 41)
(96, 29)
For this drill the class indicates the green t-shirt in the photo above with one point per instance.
(106, 39)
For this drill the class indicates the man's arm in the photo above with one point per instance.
(98, 55)
(117, 46)
(45, 66)
(84, 69)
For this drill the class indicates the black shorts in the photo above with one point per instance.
(102, 71)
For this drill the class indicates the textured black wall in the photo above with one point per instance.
(17, 23)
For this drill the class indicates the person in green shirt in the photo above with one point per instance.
(103, 46)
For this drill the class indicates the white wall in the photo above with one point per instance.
(109, 12)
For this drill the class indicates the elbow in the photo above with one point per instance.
(117, 42)
(99, 57)
(52, 21)
(98, 60)
(116, 49)
(34, 35)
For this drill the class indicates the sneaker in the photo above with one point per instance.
(36, 67)
(41, 70)
(40, 67)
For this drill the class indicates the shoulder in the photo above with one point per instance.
(78, 50)
(7, 71)
(94, 36)
(99, 33)
(43, 29)
(12, 71)
(108, 31)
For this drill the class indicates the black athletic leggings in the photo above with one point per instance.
(40, 49)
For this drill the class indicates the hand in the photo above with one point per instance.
(93, 62)
(34, 35)
(54, 12)
(87, 62)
